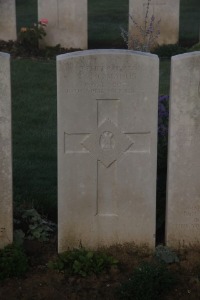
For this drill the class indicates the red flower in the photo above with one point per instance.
(43, 21)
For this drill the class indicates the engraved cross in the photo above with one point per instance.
(108, 144)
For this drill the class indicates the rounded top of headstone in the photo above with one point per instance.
(105, 52)
(5, 55)
(186, 55)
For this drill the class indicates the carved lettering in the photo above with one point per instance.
(100, 91)
(195, 226)
(182, 226)
(192, 215)
(100, 72)
(192, 211)
(163, 2)
(186, 226)
(196, 220)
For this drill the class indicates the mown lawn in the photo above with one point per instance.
(34, 134)
(189, 21)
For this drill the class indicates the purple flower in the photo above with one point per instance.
(163, 116)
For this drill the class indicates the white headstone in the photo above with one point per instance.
(183, 188)
(6, 217)
(107, 144)
(165, 10)
(67, 22)
(7, 20)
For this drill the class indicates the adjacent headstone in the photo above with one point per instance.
(7, 20)
(183, 188)
(67, 22)
(6, 228)
(107, 148)
(165, 10)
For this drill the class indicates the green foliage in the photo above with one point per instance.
(148, 282)
(26, 13)
(195, 47)
(166, 255)
(189, 22)
(33, 225)
(166, 51)
(28, 37)
(104, 19)
(34, 134)
(19, 236)
(83, 262)
(38, 228)
(13, 262)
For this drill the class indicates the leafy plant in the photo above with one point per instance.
(31, 225)
(19, 236)
(148, 282)
(38, 228)
(195, 47)
(29, 37)
(166, 255)
(83, 262)
(13, 262)
(147, 34)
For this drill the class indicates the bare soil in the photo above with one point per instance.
(41, 283)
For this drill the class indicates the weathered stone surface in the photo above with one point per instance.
(165, 10)
(6, 218)
(183, 188)
(67, 22)
(107, 144)
(7, 20)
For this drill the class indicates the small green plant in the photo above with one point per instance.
(13, 262)
(83, 262)
(29, 37)
(165, 254)
(195, 47)
(30, 225)
(145, 37)
(38, 228)
(148, 282)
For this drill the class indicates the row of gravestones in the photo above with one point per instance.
(107, 149)
(67, 20)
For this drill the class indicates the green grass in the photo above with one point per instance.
(104, 21)
(34, 134)
(26, 13)
(189, 21)
(164, 76)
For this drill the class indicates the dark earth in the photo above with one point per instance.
(41, 283)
